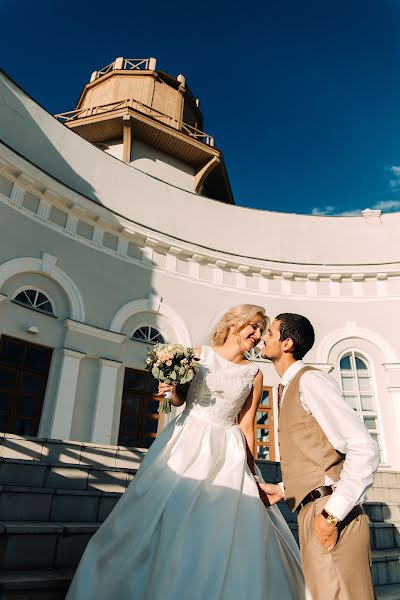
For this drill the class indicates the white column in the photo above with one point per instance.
(66, 392)
(17, 195)
(105, 401)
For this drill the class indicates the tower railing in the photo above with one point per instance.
(126, 64)
(74, 115)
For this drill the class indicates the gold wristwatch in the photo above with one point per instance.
(330, 519)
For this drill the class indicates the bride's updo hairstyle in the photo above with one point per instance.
(239, 316)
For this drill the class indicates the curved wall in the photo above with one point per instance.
(296, 239)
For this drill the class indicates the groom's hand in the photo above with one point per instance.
(273, 491)
(325, 533)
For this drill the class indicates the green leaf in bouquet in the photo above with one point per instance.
(189, 376)
(155, 372)
(182, 370)
(161, 376)
(173, 376)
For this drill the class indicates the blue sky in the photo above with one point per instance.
(302, 96)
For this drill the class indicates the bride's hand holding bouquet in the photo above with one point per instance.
(171, 365)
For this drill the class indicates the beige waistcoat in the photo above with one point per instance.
(306, 454)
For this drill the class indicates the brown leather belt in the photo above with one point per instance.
(325, 490)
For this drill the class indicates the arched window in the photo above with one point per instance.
(148, 334)
(358, 390)
(254, 354)
(36, 300)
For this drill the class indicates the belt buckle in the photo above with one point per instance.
(315, 494)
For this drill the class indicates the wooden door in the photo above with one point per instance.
(139, 410)
(24, 370)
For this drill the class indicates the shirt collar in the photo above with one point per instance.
(291, 372)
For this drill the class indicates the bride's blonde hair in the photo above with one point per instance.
(240, 316)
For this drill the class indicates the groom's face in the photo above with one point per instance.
(272, 343)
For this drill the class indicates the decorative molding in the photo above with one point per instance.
(72, 353)
(138, 306)
(391, 366)
(3, 297)
(351, 330)
(55, 194)
(96, 332)
(106, 362)
(46, 266)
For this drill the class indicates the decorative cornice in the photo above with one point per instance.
(101, 334)
(102, 220)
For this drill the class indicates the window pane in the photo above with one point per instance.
(11, 352)
(348, 384)
(132, 403)
(140, 334)
(134, 380)
(5, 401)
(131, 422)
(263, 452)
(151, 425)
(23, 427)
(364, 384)
(8, 379)
(367, 403)
(345, 363)
(31, 384)
(351, 401)
(370, 422)
(27, 407)
(265, 400)
(360, 364)
(262, 418)
(262, 435)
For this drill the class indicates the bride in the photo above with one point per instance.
(193, 524)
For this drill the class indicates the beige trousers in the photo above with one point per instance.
(345, 572)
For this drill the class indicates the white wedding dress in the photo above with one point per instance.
(191, 525)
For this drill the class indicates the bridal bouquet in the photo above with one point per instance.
(171, 363)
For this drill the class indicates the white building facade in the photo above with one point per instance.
(98, 257)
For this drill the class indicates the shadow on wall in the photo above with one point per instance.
(104, 282)
(20, 131)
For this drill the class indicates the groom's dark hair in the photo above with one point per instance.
(298, 329)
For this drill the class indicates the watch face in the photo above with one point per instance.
(332, 520)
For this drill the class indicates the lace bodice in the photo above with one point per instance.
(220, 387)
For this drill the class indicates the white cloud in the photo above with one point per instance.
(387, 205)
(394, 182)
(349, 213)
(326, 210)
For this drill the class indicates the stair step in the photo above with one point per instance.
(54, 451)
(43, 545)
(38, 474)
(388, 592)
(49, 504)
(384, 494)
(48, 584)
(386, 566)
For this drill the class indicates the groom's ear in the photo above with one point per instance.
(288, 345)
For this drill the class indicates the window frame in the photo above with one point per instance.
(375, 413)
(40, 291)
(147, 341)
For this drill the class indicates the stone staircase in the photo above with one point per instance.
(55, 494)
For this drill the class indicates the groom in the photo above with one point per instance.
(328, 462)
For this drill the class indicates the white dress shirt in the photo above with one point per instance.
(321, 397)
